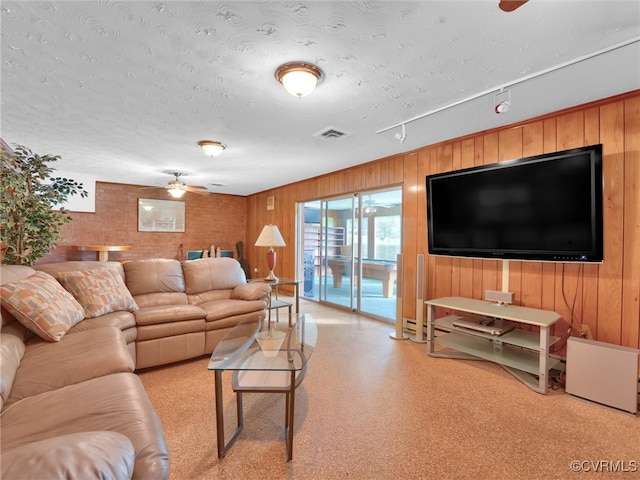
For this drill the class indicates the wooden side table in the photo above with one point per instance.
(103, 250)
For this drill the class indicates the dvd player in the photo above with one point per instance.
(490, 326)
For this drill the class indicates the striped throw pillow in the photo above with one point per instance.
(41, 304)
(99, 291)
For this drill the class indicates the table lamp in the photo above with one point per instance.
(270, 237)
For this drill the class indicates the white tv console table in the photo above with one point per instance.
(524, 354)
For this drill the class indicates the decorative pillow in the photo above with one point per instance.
(99, 291)
(41, 304)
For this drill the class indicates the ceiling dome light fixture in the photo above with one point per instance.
(299, 78)
(211, 148)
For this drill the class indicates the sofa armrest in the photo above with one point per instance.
(11, 352)
(251, 291)
(108, 455)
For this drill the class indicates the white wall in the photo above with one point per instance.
(76, 203)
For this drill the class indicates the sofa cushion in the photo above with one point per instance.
(209, 296)
(171, 332)
(251, 291)
(212, 274)
(161, 299)
(154, 276)
(42, 305)
(221, 309)
(99, 291)
(105, 455)
(47, 366)
(168, 314)
(124, 321)
(71, 265)
(116, 402)
(11, 352)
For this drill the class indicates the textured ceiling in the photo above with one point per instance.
(125, 90)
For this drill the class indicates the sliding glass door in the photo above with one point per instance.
(338, 286)
(380, 215)
(349, 248)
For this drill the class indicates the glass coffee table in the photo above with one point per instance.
(264, 357)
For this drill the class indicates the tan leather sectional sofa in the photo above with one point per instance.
(72, 406)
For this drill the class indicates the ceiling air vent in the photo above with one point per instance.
(331, 133)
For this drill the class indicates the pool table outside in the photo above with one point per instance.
(385, 270)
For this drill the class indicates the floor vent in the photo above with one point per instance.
(331, 133)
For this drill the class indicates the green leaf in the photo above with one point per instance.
(29, 225)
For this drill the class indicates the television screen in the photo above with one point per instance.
(543, 208)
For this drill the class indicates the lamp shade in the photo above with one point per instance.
(270, 237)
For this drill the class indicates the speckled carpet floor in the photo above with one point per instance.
(372, 407)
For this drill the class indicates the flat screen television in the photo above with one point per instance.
(541, 208)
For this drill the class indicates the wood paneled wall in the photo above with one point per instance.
(604, 297)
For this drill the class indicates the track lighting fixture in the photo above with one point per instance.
(502, 101)
(504, 107)
(402, 136)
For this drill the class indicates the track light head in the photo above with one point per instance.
(502, 101)
(401, 136)
(502, 107)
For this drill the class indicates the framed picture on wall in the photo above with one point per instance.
(160, 215)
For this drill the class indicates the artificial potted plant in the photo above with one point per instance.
(30, 225)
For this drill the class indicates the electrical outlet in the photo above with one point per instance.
(585, 332)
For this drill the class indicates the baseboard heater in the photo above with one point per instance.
(603, 373)
(410, 326)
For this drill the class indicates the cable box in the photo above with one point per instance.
(491, 326)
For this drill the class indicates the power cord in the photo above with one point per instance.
(557, 379)
(560, 345)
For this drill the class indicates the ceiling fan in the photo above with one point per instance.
(177, 188)
(511, 5)
(370, 206)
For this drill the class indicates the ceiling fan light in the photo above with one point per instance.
(299, 78)
(211, 148)
(176, 192)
